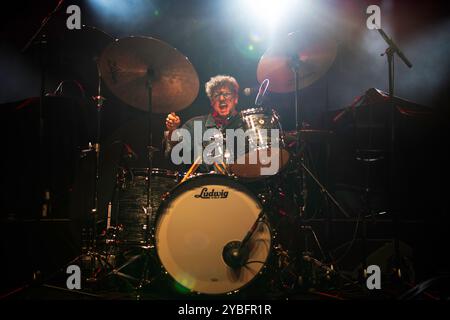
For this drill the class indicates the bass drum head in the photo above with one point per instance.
(197, 221)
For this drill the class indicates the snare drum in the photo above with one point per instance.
(196, 224)
(264, 153)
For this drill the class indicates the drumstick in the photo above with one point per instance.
(192, 169)
(222, 168)
(219, 168)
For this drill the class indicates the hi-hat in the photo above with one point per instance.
(316, 53)
(128, 64)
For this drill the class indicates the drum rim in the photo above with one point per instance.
(142, 171)
(171, 195)
(180, 186)
(254, 110)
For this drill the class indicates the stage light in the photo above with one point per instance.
(269, 12)
(260, 22)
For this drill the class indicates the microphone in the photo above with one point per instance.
(255, 89)
(235, 254)
(249, 91)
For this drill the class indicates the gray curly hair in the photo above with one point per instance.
(219, 81)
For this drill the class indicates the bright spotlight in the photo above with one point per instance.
(269, 11)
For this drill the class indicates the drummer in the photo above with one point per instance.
(223, 93)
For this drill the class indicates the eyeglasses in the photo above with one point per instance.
(226, 95)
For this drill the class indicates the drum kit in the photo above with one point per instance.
(212, 234)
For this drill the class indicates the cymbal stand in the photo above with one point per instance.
(90, 255)
(40, 38)
(140, 281)
(302, 170)
(99, 100)
(148, 238)
(295, 65)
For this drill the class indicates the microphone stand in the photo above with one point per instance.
(235, 253)
(42, 26)
(42, 42)
(391, 50)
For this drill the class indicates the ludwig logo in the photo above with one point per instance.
(205, 194)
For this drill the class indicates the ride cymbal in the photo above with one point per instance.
(128, 64)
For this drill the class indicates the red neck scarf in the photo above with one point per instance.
(220, 121)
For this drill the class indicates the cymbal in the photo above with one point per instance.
(315, 51)
(127, 65)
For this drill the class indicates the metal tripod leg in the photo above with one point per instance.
(323, 190)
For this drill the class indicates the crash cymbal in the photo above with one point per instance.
(315, 51)
(127, 64)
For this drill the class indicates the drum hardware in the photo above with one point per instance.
(94, 261)
(390, 52)
(296, 62)
(324, 190)
(236, 253)
(368, 157)
(129, 243)
(311, 272)
(99, 104)
(150, 75)
(40, 39)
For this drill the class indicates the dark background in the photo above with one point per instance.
(215, 36)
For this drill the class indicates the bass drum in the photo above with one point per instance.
(196, 224)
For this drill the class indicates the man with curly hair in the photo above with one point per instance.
(223, 93)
